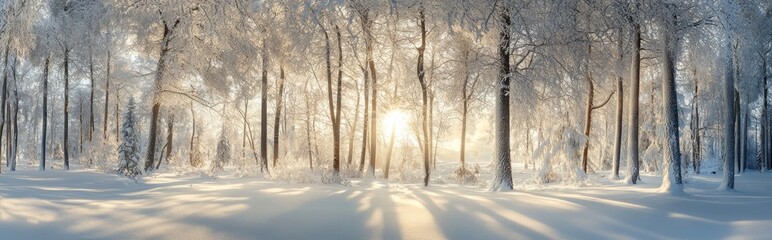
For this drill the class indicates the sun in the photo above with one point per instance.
(399, 122)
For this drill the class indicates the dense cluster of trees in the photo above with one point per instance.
(542, 74)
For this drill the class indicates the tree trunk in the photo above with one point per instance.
(15, 121)
(729, 130)
(503, 168)
(5, 96)
(91, 98)
(107, 95)
(15, 116)
(588, 116)
(618, 130)
(632, 141)
(8, 133)
(308, 133)
(672, 169)
(695, 124)
(42, 166)
(353, 130)
(80, 123)
(743, 141)
(277, 117)
(365, 121)
(737, 132)
(159, 75)
(464, 114)
(389, 151)
(244, 135)
(169, 141)
(373, 116)
(618, 122)
(116, 114)
(66, 123)
(264, 110)
(420, 71)
(194, 162)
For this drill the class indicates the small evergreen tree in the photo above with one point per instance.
(129, 150)
(223, 152)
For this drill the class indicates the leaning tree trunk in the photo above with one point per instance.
(169, 141)
(632, 140)
(159, 75)
(42, 166)
(420, 71)
(503, 172)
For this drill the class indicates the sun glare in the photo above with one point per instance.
(399, 122)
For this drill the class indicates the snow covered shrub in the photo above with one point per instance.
(557, 157)
(129, 150)
(651, 159)
(409, 169)
(223, 152)
(296, 171)
(105, 157)
(467, 175)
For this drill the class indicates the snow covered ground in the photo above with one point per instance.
(82, 204)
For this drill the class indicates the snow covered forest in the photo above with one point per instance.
(652, 110)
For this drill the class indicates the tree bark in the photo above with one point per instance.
(169, 141)
(42, 166)
(107, 95)
(91, 98)
(159, 75)
(503, 168)
(194, 162)
(635, 73)
(365, 121)
(15, 145)
(353, 130)
(15, 121)
(5, 96)
(618, 130)
(672, 150)
(264, 110)
(244, 128)
(729, 130)
(420, 71)
(588, 116)
(619, 112)
(695, 124)
(277, 117)
(65, 137)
